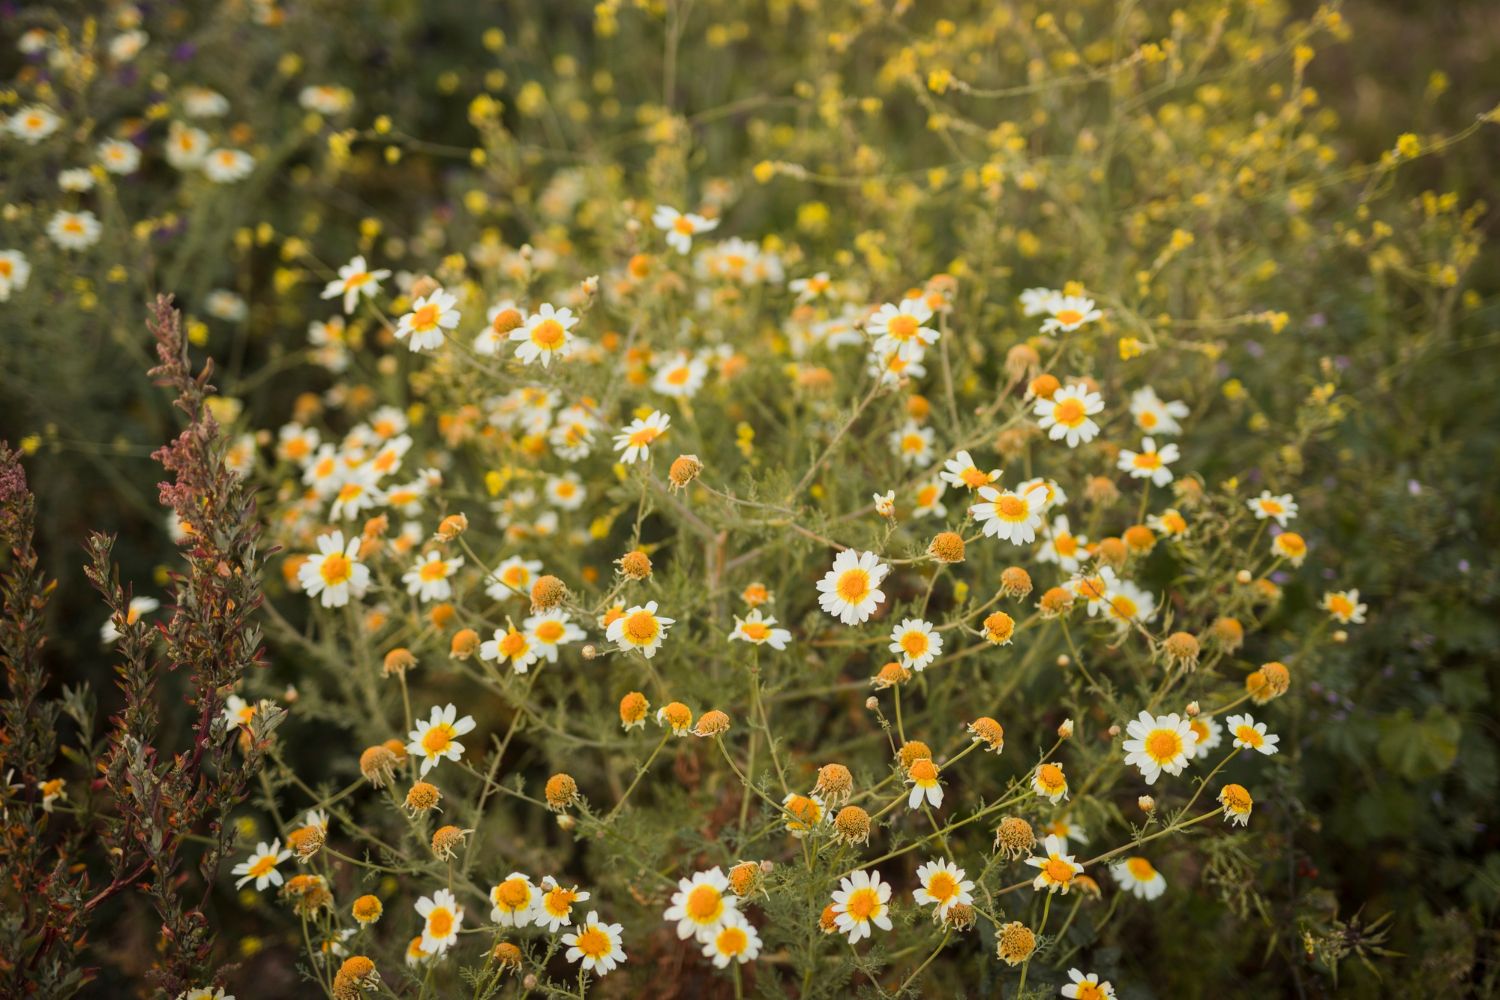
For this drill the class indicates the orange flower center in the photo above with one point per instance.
(434, 570)
(513, 894)
(1163, 745)
(641, 627)
(425, 318)
(548, 335)
(1058, 871)
(1140, 868)
(704, 904)
(862, 904)
(854, 585)
(549, 631)
(335, 569)
(437, 739)
(755, 630)
(902, 327)
(1069, 413)
(593, 942)
(942, 887)
(440, 922)
(1068, 317)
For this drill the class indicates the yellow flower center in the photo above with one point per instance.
(593, 942)
(1058, 871)
(262, 866)
(731, 941)
(1147, 420)
(1069, 413)
(440, 922)
(350, 491)
(512, 894)
(973, 478)
(514, 644)
(356, 280)
(902, 327)
(641, 627)
(927, 496)
(1050, 776)
(335, 569)
(425, 318)
(853, 585)
(678, 376)
(1068, 317)
(942, 887)
(1340, 605)
(1123, 607)
(1141, 869)
(549, 631)
(1147, 460)
(1272, 506)
(683, 225)
(515, 577)
(5, 268)
(559, 901)
(1065, 545)
(1251, 736)
(1089, 991)
(644, 436)
(548, 335)
(434, 570)
(1012, 508)
(437, 739)
(863, 904)
(704, 904)
(1163, 745)
(756, 631)
(914, 643)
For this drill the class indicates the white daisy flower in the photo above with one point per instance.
(634, 441)
(850, 591)
(595, 946)
(1067, 415)
(1138, 876)
(428, 577)
(335, 571)
(260, 867)
(680, 228)
(1013, 517)
(639, 628)
(1251, 735)
(917, 642)
(861, 901)
(355, 280)
(546, 334)
(436, 738)
(758, 630)
(422, 328)
(1159, 743)
(943, 886)
(902, 329)
(441, 917)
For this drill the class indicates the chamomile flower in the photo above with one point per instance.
(640, 628)
(929, 499)
(442, 917)
(1056, 868)
(680, 228)
(902, 329)
(961, 471)
(1067, 415)
(554, 908)
(1139, 877)
(549, 631)
(1169, 523)
(861, 901)
(109, 632)
(513, 578)
(1050, 783)
(238, 712)
(1280, 509)
(436, 738)
(428, 577)
(634, 441)
(925, 785)
(1013, 517)
(74, 230)
(1149, 463)
(1237, 804)
(186, 146)
(515, 901)
(1069, 312)
(511, 646)
(1125, 604)
(1251, 735)
(260, 867)
(546, 334)
(335, 571)
(912, 443)
(809, 289)
(1035, 301)
(203, 102)
(1344, 606)
(33, 123)
(1159, 743)
(1087, 987)
(356, 280)
(119, 157)
(596, 946)
(15, 272)
(225, 166)
(422, 328)
(759, 629)
(1066, 831)
(205, 993)
(356, 493)
(680, 377)
(891, 368)
(700, 903)
(1154, 416)
(804, 813)
(1063, 547)
(917, 642)
(943, 886)
(566, 491)
(735, 941)
(326, 99)
(850, 591)
(1291, 546)
(1210, 734)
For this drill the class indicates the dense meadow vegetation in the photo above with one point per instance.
(801, 498)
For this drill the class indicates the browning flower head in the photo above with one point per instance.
(398, 661)
(1057, 601)
(745, 877)
(1227, 633)
(561, 791)
(1011, 442)
(852, 825)
(1268, 683)
(633, 709)
(684, 469)
(308, 894)
(465, 644)
(890, 675)
(354, 977)
(1014, 837)
(947, 547)
(634, 565)
(442, 615)
(423, 287)
(712, 723)
(306, 841)
(912, 751)
(1021, 361)
(1014, 943)
(378, 765)
(835, 782)
(1112, 552)
(828, 920)
(1101, 491)
(396, 747)
(999, 627)
(989, 732)
(451, 527)
(1015, 582)
(1044, 386)
(506, 955)
(1087, 886)
(958, 917)
(446, 839)
(546, 593)
(422, 797)
(918, 407)
(1181, 650)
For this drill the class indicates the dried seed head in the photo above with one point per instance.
(451, 527)
(464, 645)
(828, 921)
(398, 661)
(423, 287)
(1140, 539)
(684, 470)
(834, 783)
(947, 547)
(1015, 582)
(999, 628)
(1181, 650)
(712, 723)
(1101, 491)
(1011, 442)
(1055, 602)
(1022, 361)
(633, 709)
(989, 732)
(354, 977)
(1271, 681)
(634, 565)
(422, 797)
(1043, 386)
(305, 842)
(1014, 836)
(1227, 633)
(546, 593)
(745, 878)
(506, 955)
(378, 765)
(366, 910)
(890, 675)
(446, 839)
(1112, 552)
(852, 825)
(398, 748)
(1014, 943)
(912, 751)
(561, 791)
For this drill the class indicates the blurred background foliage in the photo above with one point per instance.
(1399, 771)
